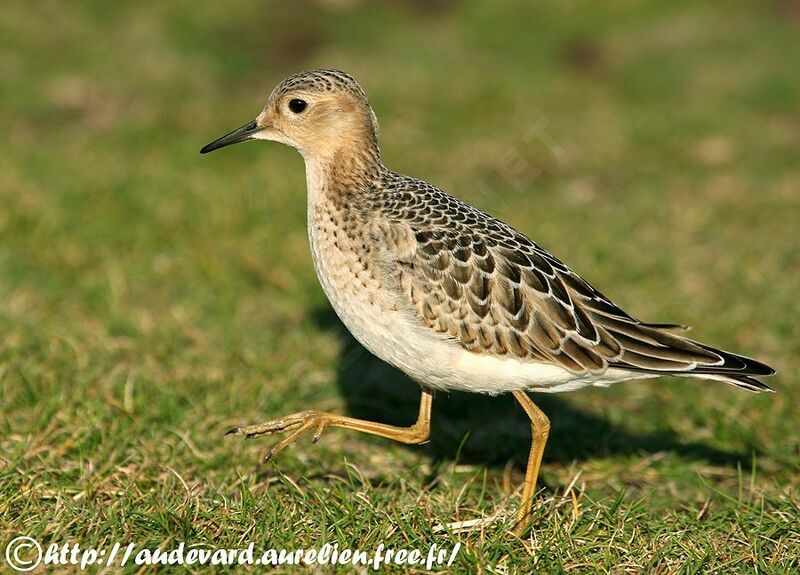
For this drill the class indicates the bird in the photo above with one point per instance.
(453, 297)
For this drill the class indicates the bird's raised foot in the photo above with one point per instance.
(295, 425)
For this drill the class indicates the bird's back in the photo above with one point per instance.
(477, 280)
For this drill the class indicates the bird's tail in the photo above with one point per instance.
(652, 348)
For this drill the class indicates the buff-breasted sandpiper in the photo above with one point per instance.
(455, 298)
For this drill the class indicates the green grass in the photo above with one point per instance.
(151, 298)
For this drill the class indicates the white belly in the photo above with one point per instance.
(363, 299)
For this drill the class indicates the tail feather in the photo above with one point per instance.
(648, 349)
(749, 383)
(734, 364)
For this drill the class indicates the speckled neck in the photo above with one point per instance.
(352, 171)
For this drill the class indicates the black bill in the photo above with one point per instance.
(239, 135)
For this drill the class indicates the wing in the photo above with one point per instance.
(473, 278)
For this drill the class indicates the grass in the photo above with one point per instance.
(151, 298)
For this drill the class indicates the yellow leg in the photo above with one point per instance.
(540, 428)
(298, 423)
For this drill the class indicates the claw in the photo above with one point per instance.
(318, 432)
(293, 425)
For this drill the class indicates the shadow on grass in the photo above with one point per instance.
(496, 429)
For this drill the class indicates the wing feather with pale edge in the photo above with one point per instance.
(475, 279)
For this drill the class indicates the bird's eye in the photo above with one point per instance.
(297, 105)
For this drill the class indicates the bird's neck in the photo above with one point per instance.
(348, 171)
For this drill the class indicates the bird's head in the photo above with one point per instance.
(321, 113)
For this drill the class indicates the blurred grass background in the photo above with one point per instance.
(151, 298)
